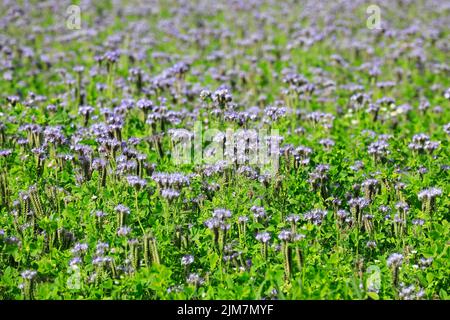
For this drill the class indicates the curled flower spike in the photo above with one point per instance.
(357, 206)
(428, 198)
(410, 292)
(187, 260)
(379, 150)
(394, 261)
(315, 216)
(447, 129)
(28, 285)
(28, 274)
(263, 237)
(123, 231)
(122, 213)
(371, 244)
(218, 224)
(195, 280)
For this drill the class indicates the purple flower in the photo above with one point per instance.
(447, 128)
(79, 248)
(120, 208)
(359, 203)
(371, 244)
(123, 231)
(171, 180)
(221, 214)
(430, 193)
(5, 153)
(379, 149)
(28, 274)
(85, 111)
(170, 194)
(195, 279)
(327, 143)
(258, 212)
(144, 104)
(243, 219)
(136, 182)
(342, 214)
(285, 235)
(293, 218)
(100, 214)
(418, 222)
(75, 261)
(187, 260)
(212, 223)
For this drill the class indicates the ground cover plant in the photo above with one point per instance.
(224, 149)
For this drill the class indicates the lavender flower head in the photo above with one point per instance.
(195, 279)
(285, 235)
(315, 216)
(187, 260)
(429, 193)
(120, 208)
(123, 231)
